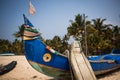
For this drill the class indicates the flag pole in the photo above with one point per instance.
(85, 34)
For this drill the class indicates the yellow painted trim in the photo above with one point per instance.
(27, 38)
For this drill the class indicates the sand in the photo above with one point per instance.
(23, 71)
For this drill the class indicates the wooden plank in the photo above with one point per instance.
(88, 65)
(84, 67)
(75, 68)
(80, 65)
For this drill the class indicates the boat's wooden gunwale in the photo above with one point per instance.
(99, 61)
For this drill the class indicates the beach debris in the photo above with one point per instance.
(6, 68)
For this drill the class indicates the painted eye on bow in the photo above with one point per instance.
(47, 57)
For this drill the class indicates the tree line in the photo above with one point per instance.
(11, 47)
(101, 37)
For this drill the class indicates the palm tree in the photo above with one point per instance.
(5, 46)
(65, 45)
(116, 36)
(57, 43)
(98, 24)
(20, 32)
(48, 42)
(77, 27)
(65, 38)
(91, 38)
(116, 30)
(104, 34)
(17, 47)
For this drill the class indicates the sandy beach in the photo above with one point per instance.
(23, 71)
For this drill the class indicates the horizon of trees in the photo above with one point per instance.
(101, 37)
(13, 47)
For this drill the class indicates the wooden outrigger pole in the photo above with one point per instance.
(85, 35)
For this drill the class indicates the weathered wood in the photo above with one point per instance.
(80, 65)
(75, 68)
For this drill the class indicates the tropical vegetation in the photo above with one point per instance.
(11, 47)
(100, 36)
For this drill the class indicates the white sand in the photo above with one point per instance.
(23, 71)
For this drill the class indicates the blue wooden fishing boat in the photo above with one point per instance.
(49, 62)
(105, 63)
(41, 57)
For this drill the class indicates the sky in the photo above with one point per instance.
(52, 17)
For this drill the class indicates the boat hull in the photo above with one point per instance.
(104, 66)
(50, 71)
(44, 61)
(58, 65)
(101, 72)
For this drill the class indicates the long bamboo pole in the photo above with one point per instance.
(85, 35)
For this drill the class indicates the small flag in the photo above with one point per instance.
(27, 23)
(51, 50)
(31, 8)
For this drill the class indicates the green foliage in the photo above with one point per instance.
(5, 46)
(15, 47)
(20, 31)
(58, 44)
(77, 26)
(101, 37)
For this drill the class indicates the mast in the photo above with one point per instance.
(85, 34)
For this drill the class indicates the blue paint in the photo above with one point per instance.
(98, 66)
(34, 51)
(112, 57)
(94, 57)
(27, 22)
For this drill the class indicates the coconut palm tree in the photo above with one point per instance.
(19, 33)
(65, 45)
(48, 42)
(57, 43)
(5, 46)
(116, 36)
(77, 27)
(17, 47)
(98, 24)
